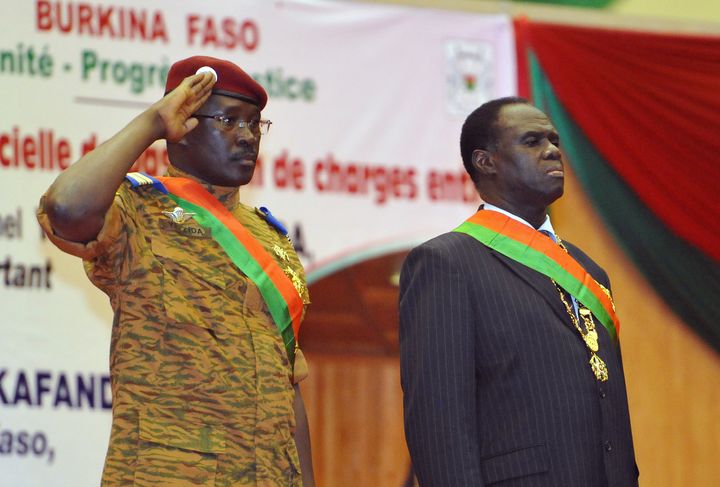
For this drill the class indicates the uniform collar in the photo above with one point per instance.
(229, 196)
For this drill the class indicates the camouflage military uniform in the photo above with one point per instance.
(202, 386)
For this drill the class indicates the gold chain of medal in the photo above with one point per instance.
(589, 336)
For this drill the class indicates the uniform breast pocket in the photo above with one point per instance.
(194, 297)
(194, 283)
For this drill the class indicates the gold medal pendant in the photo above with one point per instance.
(591, 340)
(598, 367)
(589, 336)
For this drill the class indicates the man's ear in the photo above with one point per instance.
(483, 162)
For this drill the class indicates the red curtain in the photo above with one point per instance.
(650, 103)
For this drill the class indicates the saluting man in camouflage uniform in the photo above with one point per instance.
(204, 380)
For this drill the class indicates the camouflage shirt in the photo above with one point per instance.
(202, 385)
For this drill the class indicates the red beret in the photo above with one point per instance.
(231, 80)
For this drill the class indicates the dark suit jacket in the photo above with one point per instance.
(496, 381)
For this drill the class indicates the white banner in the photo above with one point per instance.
(366, 101)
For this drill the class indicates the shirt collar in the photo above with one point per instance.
(546, 225)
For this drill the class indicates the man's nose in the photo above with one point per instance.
(243, 135)
(552, 152)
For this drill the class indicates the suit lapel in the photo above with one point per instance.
(540, 283)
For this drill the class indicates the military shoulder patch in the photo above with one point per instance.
(139, 179)
(274, 222)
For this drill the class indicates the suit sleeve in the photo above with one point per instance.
(437, 367)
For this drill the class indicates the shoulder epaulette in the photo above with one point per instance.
(265, 213)
(138, 179)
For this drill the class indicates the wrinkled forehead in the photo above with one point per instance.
(519, 118)
(222, 104)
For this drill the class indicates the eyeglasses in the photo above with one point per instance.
(230, 123)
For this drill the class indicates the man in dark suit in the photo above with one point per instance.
(510, 365)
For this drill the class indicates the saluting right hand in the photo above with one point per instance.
(175, 109)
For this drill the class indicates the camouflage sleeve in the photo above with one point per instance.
(109, 234)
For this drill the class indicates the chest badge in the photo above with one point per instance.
(178, 215)
(280, 252)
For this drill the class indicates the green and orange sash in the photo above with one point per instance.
(539, 252)
(283, 300)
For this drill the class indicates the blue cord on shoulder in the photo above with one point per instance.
(273, 221)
